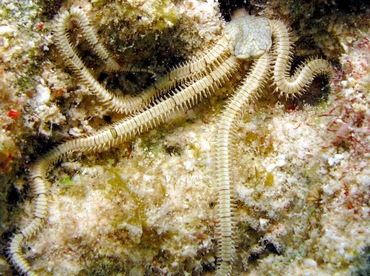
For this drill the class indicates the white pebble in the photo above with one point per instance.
(43, 94)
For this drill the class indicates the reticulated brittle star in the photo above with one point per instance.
(186, 85)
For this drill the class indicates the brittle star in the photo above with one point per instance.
(245, 37)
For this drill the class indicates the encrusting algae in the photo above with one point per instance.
(148, 207)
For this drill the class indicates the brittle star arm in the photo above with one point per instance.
(297, 83)
(223, 158)
(187, 72)
(225, 133)
(184, 97)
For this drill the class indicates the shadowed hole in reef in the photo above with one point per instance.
(227, 7)
(362, 263)
(267, 249)
(107, 118)
(126, 82)
(13, 196)
(173, 150)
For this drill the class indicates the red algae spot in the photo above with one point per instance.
(14, 114)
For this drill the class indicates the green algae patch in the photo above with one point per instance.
(269, 180)
(66, 181)
(69, 188)
(137, 215)
(312, 172)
